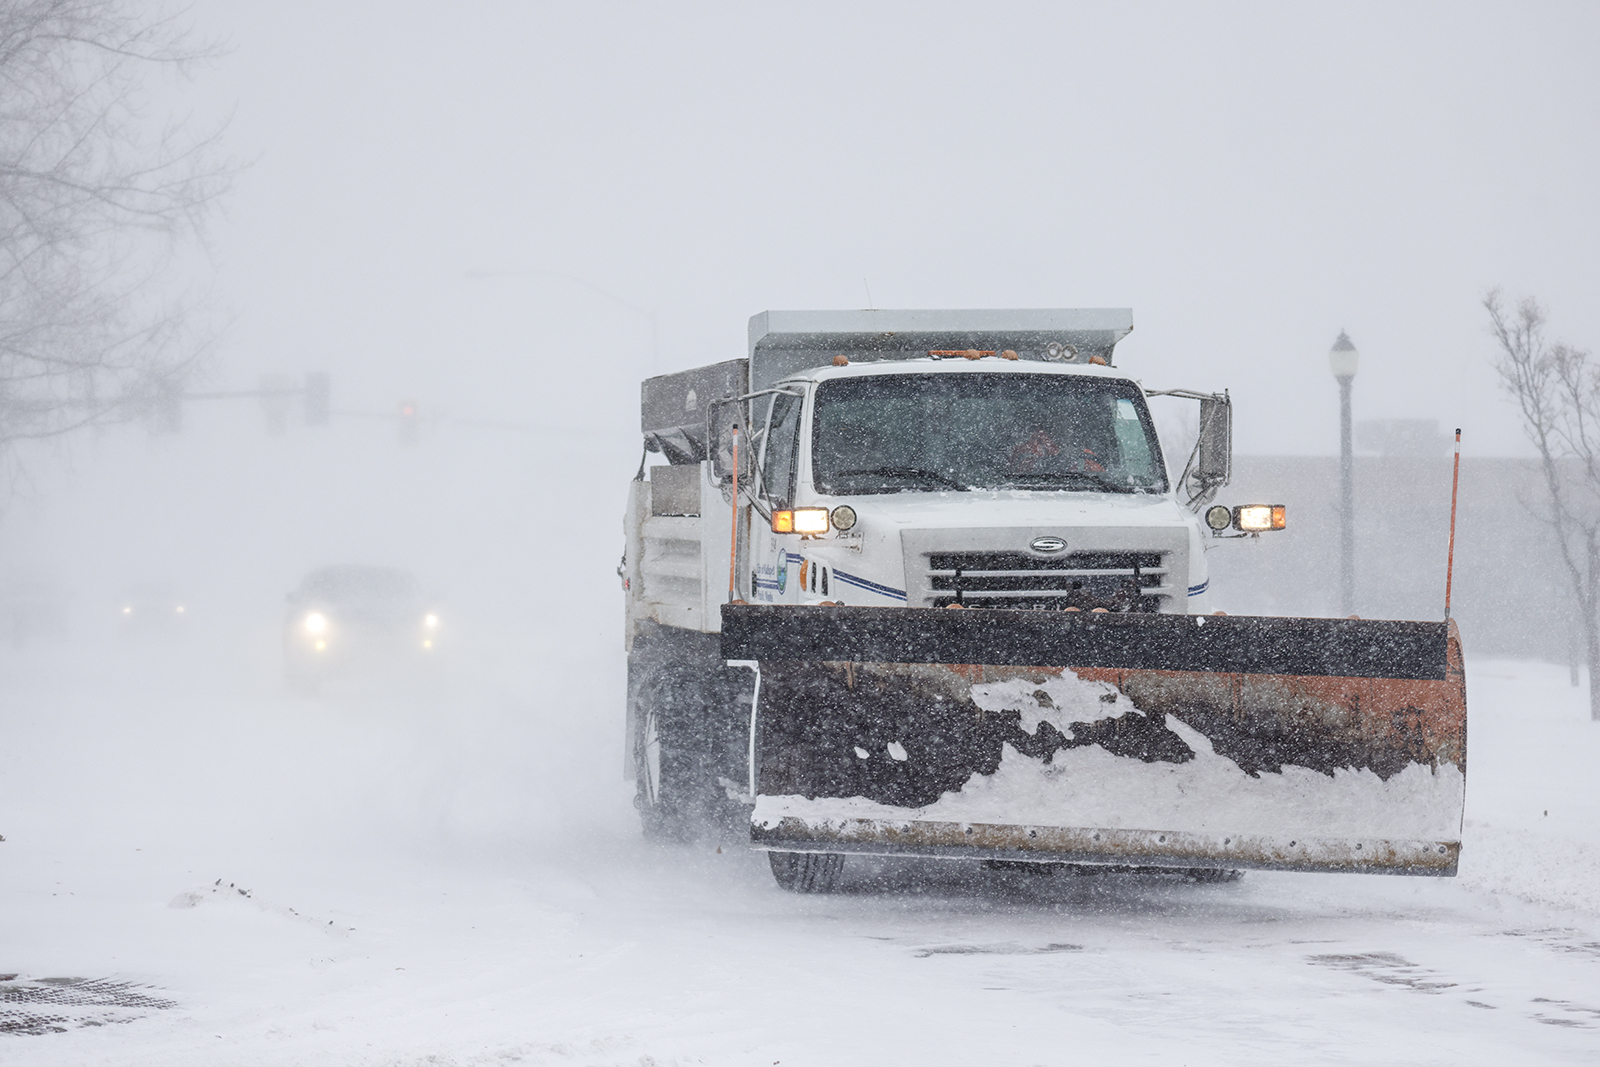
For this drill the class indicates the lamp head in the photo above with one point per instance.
(1343, 357)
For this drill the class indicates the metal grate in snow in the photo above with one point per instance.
(55, 1005)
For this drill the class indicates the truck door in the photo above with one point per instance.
(775, 557)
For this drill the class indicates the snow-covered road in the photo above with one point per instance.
(443, 868)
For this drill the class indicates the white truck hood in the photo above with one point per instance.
(1013, 507)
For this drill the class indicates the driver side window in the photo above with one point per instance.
(778, 462)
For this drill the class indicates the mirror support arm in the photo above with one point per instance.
(1210, 464)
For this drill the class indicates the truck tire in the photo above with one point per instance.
(806, 872)
(675, 801)
(691, 721)
(647, 774)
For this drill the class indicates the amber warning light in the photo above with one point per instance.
(800, 520)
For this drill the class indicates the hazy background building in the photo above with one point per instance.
(1510, 586)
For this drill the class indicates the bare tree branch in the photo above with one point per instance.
(95, 202)
(1557, 392)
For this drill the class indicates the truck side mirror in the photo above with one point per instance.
(1214, 464)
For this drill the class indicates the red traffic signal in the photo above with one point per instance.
(410, 422)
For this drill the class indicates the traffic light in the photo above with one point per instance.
(409, 423)
(318, 398)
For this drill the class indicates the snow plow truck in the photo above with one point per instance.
(921, 583)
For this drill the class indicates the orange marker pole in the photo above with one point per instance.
(1450, 564)
(733, 537)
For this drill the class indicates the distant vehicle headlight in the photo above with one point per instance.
(316, 623)
(431, 621)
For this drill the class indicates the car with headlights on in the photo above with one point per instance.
(352, 614)
(151, 609)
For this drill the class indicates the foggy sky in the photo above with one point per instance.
(1250, 179)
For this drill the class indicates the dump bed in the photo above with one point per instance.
(674, 407)
(783, 343)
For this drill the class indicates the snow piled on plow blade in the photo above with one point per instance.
(1208, 812)
(1112, 765)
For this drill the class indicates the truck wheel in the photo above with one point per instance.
(672, 793)
(690, 718)
(660, 819)
(806, 872)
(650, 759)
(660, 813)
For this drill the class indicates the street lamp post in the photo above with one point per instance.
(1342, 358)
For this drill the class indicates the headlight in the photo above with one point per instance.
(810, 520)
(316, 623)
(430, 621)
(1219, 518)
(844, 517)
(1259, 518)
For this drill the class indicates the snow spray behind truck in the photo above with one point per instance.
(920, 582)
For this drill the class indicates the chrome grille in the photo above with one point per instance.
(1115, 581)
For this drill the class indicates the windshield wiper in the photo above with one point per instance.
(1074, 477)
(904, 472)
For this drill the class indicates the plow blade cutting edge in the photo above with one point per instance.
(1155, 740)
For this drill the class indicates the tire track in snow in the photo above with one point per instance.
(1390, 968)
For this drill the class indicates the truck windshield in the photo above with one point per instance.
(930, 432)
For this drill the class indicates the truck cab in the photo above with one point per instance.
(978, 480)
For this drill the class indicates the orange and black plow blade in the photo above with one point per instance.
(1155, 740)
